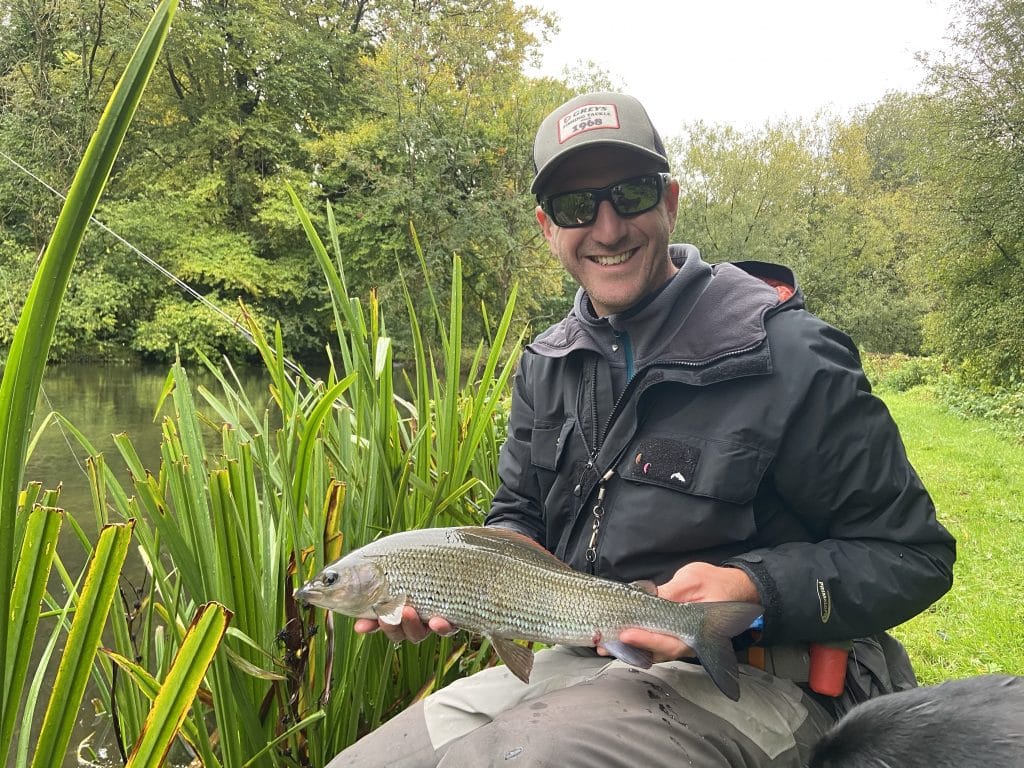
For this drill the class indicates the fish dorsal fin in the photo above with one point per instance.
(509, 542)
(391, 611)
(645, 585)
(518, 658)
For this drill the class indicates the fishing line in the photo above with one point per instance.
(154, 264)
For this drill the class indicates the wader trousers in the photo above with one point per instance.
(581, 709)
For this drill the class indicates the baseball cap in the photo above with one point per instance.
(589, 120)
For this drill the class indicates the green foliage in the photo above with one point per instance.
(398, 112)
(249, 502)
(445, 143)
(811, 197)
(193, 328)
(744, 195)
(1001, 407)
(975, 261)
(900, 372)
(973, 474)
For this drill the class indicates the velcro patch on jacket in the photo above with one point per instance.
(665, 462)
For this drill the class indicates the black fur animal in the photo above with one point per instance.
(977, 722)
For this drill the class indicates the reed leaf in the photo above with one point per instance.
(150, 687)
(32, 696)
(179, 688)
(94, 602)
(33, 570)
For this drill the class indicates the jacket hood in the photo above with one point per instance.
(703, 313)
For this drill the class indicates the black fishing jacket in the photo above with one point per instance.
(746, 435)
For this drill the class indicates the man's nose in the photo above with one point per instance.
(608, 226)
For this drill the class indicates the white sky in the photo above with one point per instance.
(746, 62)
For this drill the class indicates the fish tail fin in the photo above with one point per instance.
(721, 621)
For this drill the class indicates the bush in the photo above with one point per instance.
(899, 372)
(1004, 407)
(191, 330)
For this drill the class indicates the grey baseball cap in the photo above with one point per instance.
(589, 120)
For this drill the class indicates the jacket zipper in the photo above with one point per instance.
(598, 510)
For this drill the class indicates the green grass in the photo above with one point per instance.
(974, 475)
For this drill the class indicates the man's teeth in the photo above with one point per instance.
(608, 261)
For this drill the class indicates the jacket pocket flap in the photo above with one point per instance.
(547, 443)
(700, 466)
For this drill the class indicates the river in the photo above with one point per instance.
(100, 400)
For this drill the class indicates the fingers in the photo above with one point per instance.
(705, 582)
(663, 647)
(412, 629)
(442, 626)
(365, 626)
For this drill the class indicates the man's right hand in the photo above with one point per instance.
(412, 628)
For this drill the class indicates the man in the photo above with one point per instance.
(692, 425)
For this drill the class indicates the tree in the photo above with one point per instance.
(745, 195)
(444, 144)
(975, 193)
(817, 198)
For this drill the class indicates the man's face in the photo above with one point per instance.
(617, 260)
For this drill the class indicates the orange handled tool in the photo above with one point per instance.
(827, 674)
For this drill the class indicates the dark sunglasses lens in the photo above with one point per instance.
(573, 209)
(635, 196)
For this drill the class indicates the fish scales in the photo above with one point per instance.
(511, 596)
(502, 585)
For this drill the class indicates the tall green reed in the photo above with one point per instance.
(251, 499)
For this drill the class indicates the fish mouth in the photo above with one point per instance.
(306, 594)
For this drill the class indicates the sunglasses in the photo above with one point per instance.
(629, 197)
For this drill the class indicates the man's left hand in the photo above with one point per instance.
(693, 583)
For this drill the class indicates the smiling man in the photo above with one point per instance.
(690, 425)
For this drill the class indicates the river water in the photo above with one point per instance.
(100, 400)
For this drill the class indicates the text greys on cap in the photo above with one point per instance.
(594, 119)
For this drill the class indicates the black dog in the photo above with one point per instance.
(971, 723)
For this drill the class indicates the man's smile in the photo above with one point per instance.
(618, 258)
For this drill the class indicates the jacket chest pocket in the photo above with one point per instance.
(548, 443)
(697, 491)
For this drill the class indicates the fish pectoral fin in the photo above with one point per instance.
(518, 658)
(636, 657)
(391, 611)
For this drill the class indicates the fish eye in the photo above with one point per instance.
(329, 578)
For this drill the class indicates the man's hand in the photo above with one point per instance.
(693, 583)
(412, 628)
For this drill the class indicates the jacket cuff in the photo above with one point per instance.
(753, 565)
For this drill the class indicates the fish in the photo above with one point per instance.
(503, 585)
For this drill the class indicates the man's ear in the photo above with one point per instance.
(545, 223)
(672, 202)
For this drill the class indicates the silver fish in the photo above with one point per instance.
(502, 585)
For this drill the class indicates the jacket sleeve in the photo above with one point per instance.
(516, 503)
(879, 556)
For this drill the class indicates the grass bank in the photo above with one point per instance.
(974, 475)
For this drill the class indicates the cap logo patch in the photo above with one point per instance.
(587, 118)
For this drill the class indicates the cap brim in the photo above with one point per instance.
(545, 173)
